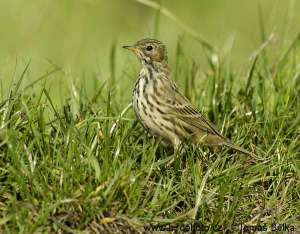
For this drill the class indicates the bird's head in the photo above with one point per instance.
(149, 51)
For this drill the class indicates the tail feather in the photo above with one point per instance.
(238, 149)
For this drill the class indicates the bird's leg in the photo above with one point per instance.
(178, 149)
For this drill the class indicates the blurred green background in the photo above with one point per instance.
(78, 35)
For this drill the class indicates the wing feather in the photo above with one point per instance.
(184, 112)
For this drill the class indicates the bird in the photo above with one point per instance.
(162, 109)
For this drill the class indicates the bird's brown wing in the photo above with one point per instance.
(187, 116)
(191, 123)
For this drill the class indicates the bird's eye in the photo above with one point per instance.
(149, 48)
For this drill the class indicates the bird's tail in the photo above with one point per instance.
(239, 149)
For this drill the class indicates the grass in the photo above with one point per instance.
(87, 166)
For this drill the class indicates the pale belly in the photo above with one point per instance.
(154, 121)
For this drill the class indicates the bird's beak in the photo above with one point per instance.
(132, 48)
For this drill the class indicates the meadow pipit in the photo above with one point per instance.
(162, 110)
